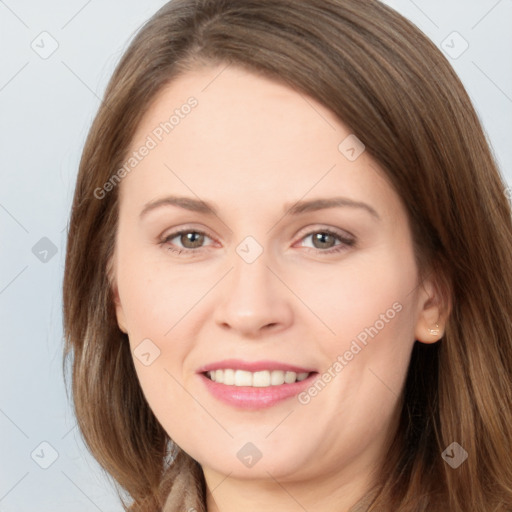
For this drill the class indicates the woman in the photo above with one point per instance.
(288, 279)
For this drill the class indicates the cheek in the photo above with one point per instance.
(370, 309)
(157, 302)
(363, 299)
(157, 296)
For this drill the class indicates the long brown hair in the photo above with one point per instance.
(399, 95)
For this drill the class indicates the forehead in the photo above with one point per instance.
(230, 98)
(223, 129)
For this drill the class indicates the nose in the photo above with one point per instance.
(253, 301)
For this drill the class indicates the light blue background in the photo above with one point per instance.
(46, 107)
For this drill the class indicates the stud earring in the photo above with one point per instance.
(434, 332)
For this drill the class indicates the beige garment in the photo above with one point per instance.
(182, 482)
(184, 493)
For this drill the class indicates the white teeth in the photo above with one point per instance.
(277, 378)
(242, 378)
(290, 377)
(261, 379)
(229, 377)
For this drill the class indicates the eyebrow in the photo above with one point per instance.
(331, 202)
(199, 206)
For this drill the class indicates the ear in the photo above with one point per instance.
(121, 319)
(434, 307)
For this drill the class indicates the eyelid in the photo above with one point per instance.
(319, 228)
(308, 230)
(184, 227)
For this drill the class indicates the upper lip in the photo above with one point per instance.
(253, 366)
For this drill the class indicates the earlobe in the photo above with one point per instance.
(434, 334)
(433, 311)
(430, 334)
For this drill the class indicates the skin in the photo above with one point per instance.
(253, 148)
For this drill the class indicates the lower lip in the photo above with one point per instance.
(248, 397)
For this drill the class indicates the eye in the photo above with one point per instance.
(190, 241)
(324, 240)
(186, 240)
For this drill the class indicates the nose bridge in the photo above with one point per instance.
(252, 297)
(251, 277)
(251, 284)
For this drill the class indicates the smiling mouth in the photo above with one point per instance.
(260, 379)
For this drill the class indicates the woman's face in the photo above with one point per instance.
(295, 262)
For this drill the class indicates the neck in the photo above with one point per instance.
(329, 493)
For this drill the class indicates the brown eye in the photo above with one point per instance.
(185, 241)
(192, 239)
(323, 240)
(327, 241)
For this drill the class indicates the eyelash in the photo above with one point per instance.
(345, 241)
